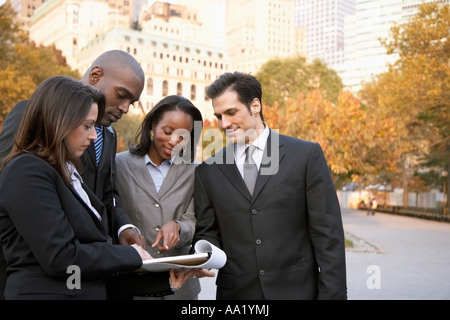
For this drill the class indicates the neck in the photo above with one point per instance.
(258, 130)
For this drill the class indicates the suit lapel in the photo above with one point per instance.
(98, 205)
(172, 177)
(102, 224)
(273, 155)
(139, 170)
(91, 152)
(231, 172)
(108, 137)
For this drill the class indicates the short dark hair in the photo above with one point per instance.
(170, 103)
(245, 85)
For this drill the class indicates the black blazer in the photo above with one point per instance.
(100, 180)
(285, 242)
(46, 227)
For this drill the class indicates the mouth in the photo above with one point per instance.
(115, 117)
(231, 132)
(167, 150)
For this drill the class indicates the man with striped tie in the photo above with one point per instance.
(121, 79)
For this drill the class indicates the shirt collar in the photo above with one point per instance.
(147, 161)
(260, 142)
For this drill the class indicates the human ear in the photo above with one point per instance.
(95, 75)
(256, 107)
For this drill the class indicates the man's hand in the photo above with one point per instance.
(129, 236)
(170, 234)
(142, 253)
(201, 273)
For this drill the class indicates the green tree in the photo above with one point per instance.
(23, 65)
(287, 78)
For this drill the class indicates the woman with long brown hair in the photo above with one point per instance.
(50, 224)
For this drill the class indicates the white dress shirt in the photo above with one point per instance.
(158, 173)
(76, 183)
(259, 143)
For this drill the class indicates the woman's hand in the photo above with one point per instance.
(170, 234)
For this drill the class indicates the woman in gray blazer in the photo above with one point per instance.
(155, 180)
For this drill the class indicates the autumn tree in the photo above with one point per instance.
(416, 91)
(23, 65)
(357, 146)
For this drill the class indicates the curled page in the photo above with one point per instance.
(206, 256)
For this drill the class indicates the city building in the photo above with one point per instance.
(258, 30)
(323, 21)
(364, 55)
(169, 41)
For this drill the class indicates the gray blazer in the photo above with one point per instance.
(149, 210)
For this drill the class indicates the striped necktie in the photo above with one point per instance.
(98, 144)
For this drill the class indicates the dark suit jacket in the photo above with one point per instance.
(100, 180)
(285, 242)
(46, 227)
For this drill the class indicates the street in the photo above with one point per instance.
(394, 258)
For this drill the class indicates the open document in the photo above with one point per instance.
(206, 256)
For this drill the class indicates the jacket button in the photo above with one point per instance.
(261, 272)
(258, 241)
(254, 211)
(157, 228)
(157, 205)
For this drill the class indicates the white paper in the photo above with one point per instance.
(206, 256)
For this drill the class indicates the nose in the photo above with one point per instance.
(224, 123)
(175, 139)
(125, 107)
(92, 134)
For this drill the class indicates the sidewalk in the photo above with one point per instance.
(412, 256)
(394, 258)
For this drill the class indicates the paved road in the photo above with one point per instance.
(395, 258)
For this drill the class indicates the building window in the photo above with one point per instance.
(193, 92)
(150, 86)
(165, 88)
(72, 14)
(179, 89)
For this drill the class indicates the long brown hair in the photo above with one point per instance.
(58, 106)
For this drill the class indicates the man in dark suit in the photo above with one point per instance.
(282, 233)
(119, 76)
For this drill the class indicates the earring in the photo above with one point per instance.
(152, 134)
